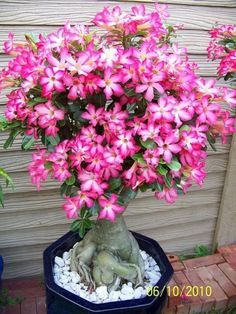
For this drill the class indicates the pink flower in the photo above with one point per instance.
(110, 207)
(150, 85)
(168, 147)
(151, 156)
(37, 169)
(91, 182)
(71, 207)
(207, 111)
(48, 115)
(60, 171)
(126, 144)
(80, 64)
(93, 115)
(110, 83)
(169, 194)
(207, 87)
(162, 110)
(51, 81)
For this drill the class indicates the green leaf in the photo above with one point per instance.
(6, 176)
(114, 183)
(157, 186)
(162, 170)
(130, 194)
(149, 144)
(11, 138)
(201, 250)
(27, 142)
(139, 158)
(1, 196)
(175, 165)
(48, 165)
(131, 107)
(53, 140)
(65, 189)
(144, 187)
(70, 180)
(130, 92)
(184, 127)
(37, 100)
(83, 223)
(211, 140)
(31, 40)
(94, 209)
(168, 180)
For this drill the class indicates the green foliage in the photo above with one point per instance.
(211, 140)
(199, 251)
(139, 158)
(174, 164)
(83, 223)
(8, 181)
(27, 142)
(71, 180)
(149, 144)
(114, 184)
(6, 299)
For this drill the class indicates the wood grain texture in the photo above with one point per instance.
(213, 3)
(57, 12)
(226, 224)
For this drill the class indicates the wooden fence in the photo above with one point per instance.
(30, 221)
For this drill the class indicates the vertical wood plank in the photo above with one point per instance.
(226, 224)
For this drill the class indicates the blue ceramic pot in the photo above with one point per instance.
(1, 271)
(61, 301)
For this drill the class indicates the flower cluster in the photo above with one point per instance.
(223, 46)
(119, 112)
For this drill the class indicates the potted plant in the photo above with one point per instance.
(118, 113)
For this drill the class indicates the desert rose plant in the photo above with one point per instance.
(223, 46)
(117, 112)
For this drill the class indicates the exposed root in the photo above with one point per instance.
(108, 257)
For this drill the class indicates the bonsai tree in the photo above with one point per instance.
(117, 112)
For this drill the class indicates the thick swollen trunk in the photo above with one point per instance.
(107, 255)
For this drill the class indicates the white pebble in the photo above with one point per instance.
(144, 255)
(92, 297)
(154, 278)
(102, 292)
(75, 277)
(138, 292)
(127, 290)
(157, 268)
(64, 279)
(152, 262)
(125, 297)
(83, 294)
(59, 261)
(68, 288)
(66, 256)
(114, 296)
